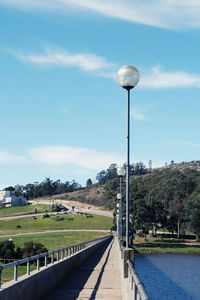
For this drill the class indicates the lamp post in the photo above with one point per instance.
(128, 77)
(118, 217)
(120, 172)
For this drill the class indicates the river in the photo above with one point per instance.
(170, 276)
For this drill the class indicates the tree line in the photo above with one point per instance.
(47, 187)
(111, 173)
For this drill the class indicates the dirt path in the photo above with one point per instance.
(79, 207)
(55, 231)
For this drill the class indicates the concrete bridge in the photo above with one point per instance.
(99, 269)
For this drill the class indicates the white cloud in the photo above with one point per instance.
(82, 157)
(67, 109)
(6, 157)
(157, 78)
(137, 113)
(58, 57)
(158, 13)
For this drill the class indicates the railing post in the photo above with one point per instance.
(15, 272)
(0, 277)
(38, 264)
(28, 267)
(58, 256)
(131, 282)
(135, 292)
(45, 261)
(52, 258)
(128, 254)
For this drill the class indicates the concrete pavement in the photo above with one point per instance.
(97, 278)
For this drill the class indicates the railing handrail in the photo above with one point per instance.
(28, 259)
(138, 283)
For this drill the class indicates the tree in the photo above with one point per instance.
(9, 188)
(33, 248)
(150, 165)
(7, 250)
(195, 222)
(88, 182)
(101, 177)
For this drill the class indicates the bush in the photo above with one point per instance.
(69, 219)
(45, 216)
(89, 216)
(59, 219)
(18, 226)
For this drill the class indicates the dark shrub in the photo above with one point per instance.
(45, 216)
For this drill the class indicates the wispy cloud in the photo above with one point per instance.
(57, 57)
(157, 78)
(7, 157)
(137, 113)
(82, 157)
(158, 13)
(66, 109)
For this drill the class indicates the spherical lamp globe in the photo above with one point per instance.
(118, 196)
(121, 171)
(128, 77)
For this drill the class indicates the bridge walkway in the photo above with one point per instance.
(99, 277)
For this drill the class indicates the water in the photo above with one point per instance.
(170, 276)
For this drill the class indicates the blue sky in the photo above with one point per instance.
(63, 114)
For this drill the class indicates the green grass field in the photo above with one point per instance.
(157, 245)
(27, 224)
(22, 210)
(54, 241)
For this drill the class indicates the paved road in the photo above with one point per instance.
(98, 278)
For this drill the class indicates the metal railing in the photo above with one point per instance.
(61, 254)
(136, 286)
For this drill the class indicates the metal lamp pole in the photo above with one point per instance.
(128, 77)
(118, 218)
(121, 172)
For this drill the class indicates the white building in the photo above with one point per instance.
(8, 198)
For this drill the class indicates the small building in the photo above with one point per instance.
(8, 199)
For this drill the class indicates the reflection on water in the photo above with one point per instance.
(170, 276)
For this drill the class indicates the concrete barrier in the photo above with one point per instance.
(37, 284)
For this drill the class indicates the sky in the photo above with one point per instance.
(63, 113)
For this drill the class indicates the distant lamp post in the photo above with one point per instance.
(120, 172)
(128, 77)
(117, 218)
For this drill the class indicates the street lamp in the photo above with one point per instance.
(120, 172)
(117, 218)
(128, 77)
